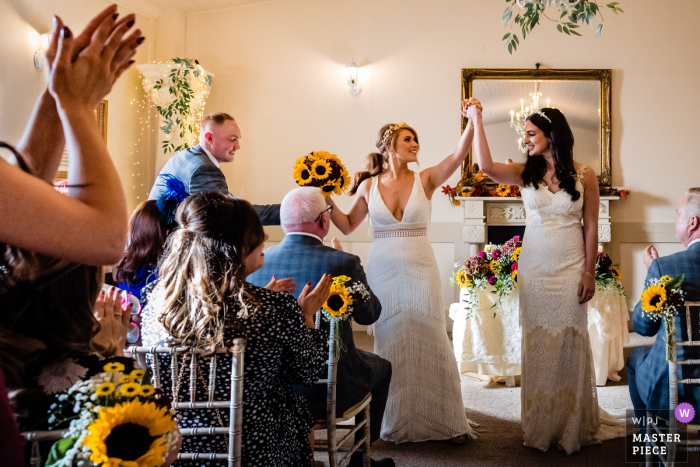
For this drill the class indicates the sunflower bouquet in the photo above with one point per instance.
(608, 275)
(114, 422)
(496, 266)
(323, 170)
(660, 300)
(339, 305)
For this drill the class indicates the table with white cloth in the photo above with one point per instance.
(485, 345)
(490, 347)
(607, 329)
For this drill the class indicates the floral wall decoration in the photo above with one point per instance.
(569, 15)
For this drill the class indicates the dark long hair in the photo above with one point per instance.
(562, 138)
(146, 241)
(376, 161)
(203, 267)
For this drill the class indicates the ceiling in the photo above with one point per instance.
(579, 101)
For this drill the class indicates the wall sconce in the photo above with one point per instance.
(351, 70)
(39, 57)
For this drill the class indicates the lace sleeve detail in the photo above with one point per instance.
(579, 173)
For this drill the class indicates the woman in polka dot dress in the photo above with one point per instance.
(202, 297)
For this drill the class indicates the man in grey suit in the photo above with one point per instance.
(198, 167)
(302, 257)
(647, 367)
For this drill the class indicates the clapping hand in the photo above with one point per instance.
(283, 285)
(649, 255)
(335, 243)
(113, 317)
(83, 69)
(311, 301)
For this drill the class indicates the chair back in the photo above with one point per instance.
(234, 405)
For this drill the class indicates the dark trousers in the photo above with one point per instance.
(379, 379)
(636, 358)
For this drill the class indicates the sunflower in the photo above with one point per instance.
(467, 193)
(462, 279)
(503, 190)
(129, 434)
(137, 374)
(339, 281)
(343, 182)
(302, 174)
(105, 389)
(516, 253)
(329, 188)
(665, 279)
(479, 176)
(146, 390)
(327, 156)
(616, 273)
(114, 367)
(130, 390)
(338, 301)
(495, 266)
(653, 298)
(124, 379)
(320, 169)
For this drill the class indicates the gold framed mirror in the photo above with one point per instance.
(583, 96)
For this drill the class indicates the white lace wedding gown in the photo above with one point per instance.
(425, 398)
(558, 394)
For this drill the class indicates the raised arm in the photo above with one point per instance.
(347, 223)
(434, 177)
(506, 174)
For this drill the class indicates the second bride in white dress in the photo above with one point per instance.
(425, 398)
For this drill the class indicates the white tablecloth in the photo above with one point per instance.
(607, 328)
(484, 344)
(491, 346)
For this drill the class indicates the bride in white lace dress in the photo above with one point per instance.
(425, 398)
(555, 280)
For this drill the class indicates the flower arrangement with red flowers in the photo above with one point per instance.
(607, 274)
(612, 191)
(477, 185)
(496, 266)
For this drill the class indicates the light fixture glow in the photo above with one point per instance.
(351, 72)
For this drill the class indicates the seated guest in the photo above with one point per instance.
(202, 297)
(302, 256)
(647, 366)
(199, 167)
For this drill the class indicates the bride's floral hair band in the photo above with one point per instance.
(391, 130)
(541, 114)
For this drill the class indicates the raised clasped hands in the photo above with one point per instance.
(311, 301)
(82, 69)
(472, 102)
(586, 288)
(114, 318)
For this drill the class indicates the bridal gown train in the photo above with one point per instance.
(425, 398)
(558, 394)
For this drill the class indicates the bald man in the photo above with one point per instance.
(199, 167)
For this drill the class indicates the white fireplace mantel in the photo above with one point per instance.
(479, 213)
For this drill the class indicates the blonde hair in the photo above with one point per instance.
(203, 270)
(692, 206)
(377, 161)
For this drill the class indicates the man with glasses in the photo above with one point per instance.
(302, 256)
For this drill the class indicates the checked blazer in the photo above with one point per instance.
(306, 259)
(198, 173)
(652, 372)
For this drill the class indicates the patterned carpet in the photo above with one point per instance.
(497, 409)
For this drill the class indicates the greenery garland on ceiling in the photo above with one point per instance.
(188, 84)
(530, 12)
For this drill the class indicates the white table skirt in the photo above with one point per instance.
(491, 346)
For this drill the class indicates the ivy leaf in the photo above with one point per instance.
(506, 36)
(559, 27)
(598, 30)
(58, 451)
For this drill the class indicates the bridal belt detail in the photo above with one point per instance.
(406, 230)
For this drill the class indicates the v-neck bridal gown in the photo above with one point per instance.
(425, 398)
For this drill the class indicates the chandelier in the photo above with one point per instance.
(517, 119)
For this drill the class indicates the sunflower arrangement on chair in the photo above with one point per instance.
(114, 422)
(339, 305)
(323, 170)
(608, 275)
(660, 300)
